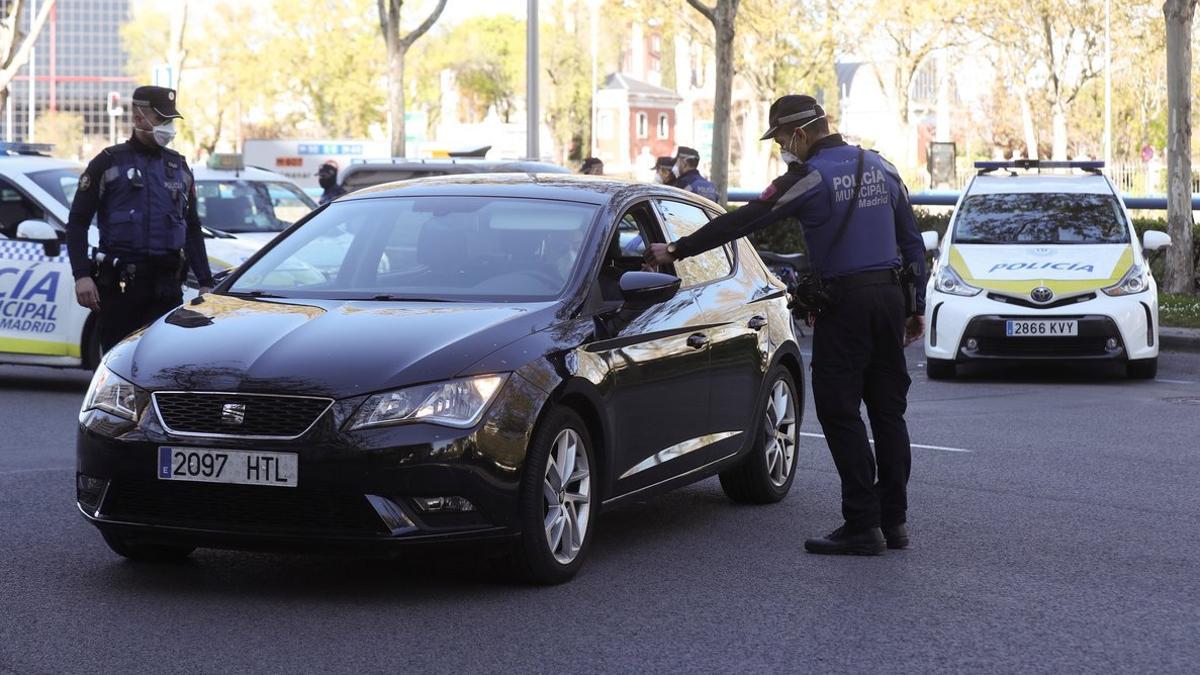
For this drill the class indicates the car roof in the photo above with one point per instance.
(566, 187)
(33, 163)
(250, 173)
(1039, 183)
(462, 164)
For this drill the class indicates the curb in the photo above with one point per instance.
(1179, 339)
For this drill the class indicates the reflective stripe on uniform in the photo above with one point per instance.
(802, 186)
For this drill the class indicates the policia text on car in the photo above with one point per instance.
(144, 198)
(858, 225)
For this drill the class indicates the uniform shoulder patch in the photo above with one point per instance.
(85, 182)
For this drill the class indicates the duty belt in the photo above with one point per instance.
(867, 278)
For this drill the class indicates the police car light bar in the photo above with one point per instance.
(1091, 166)
(26, 148)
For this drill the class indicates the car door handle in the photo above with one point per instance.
(697, 341)
(757, 322)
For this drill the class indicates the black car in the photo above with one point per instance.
(369, 173)
(490, 361)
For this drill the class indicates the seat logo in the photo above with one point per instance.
(1041, 294)
(233, 414)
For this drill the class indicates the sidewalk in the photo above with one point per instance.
(1179, 339)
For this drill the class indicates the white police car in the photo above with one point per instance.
(1040, 266)
(40, 322)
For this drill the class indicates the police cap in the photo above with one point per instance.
(791, 109)
(159, 99)
(685, 152)
(664, 163)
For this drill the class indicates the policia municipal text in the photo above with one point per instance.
(144, 199)
(858, 225)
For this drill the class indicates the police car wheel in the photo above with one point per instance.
(558, 501)
(1142, 369)
(146, 551)
(765, 475)
(940, 369)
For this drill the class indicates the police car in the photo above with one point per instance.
(1042, 266)
(40, 322)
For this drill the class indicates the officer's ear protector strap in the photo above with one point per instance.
(837, 236)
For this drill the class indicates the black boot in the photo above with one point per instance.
(896, 536)
(844, 541)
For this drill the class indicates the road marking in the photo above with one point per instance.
(915, 445)
(1161, 379)
(15, 472)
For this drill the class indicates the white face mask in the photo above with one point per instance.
(163, 133)
(788, 157)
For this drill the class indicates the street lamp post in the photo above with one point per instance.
(595, 20)
(1108, 84)
(531, 81)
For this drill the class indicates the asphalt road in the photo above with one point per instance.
(1053, 516)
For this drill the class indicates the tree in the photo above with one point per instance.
(723, 17)
(16, 45)
(176, 52)
(397, 47)
(1181, 273)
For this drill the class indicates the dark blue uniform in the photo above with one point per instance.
(331, 193)
(144, 201)
(692, 181)
(858, 344)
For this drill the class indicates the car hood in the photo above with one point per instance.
(319, 347)
(1063, 268)
(226, 253)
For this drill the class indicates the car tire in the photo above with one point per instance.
(1142, 369)
(765, 475)
(146, 551)
(550, 550)
(940, 369)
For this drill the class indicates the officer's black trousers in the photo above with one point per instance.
(858, 356)
(123, 313)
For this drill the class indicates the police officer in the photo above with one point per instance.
(859, 340)
(327, 178)
(664, 172)
(687, 174)
(143, 197)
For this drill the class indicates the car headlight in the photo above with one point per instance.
(114, 395)
(1136, 280)
(456, 403)
(948, 281)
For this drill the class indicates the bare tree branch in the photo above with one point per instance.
(14, 60)
(423, 28)
(709, 13)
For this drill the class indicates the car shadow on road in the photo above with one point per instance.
(43, 379)
(677, 519)
(1050, 372)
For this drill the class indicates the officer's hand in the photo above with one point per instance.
(914, 329)
(811, 319)
(204, 290)
(86, 293)
(658, 255)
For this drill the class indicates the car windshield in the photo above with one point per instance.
(58, 183)
(1041, 218)
(426, 248)
(240, 206)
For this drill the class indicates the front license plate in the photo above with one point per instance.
(242, 467)
(1041, 328)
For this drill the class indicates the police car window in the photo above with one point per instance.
(436, 248)
(58, 183)
(16, 208)
(241, 206)
(1041, 218)
(289, 202)
(684, 219)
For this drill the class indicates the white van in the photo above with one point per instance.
(1041, 266)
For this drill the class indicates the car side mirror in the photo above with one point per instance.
(43, 233)
(641, 290)
(931, 240)
(1153, 240)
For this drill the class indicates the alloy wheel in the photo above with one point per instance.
(567, 490)
(780, 426)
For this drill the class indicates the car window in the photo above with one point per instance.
(626, 251)
(1040, 218)
(58, 183)
(16, 208)
(240, 206)
(439, 248)
(682, 220)
(362, 178)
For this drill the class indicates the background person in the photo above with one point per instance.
(143, 197)
(687, 174)
(327, 179)
(663, 170)
(858, 342)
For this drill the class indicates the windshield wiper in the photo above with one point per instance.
(404, 298)
(217, 234)
(254, 294)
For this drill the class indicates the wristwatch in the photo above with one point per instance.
(671, 250)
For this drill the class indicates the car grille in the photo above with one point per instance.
(238, 414)
(1018, 347)
(1024, 302)
(240, 508)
